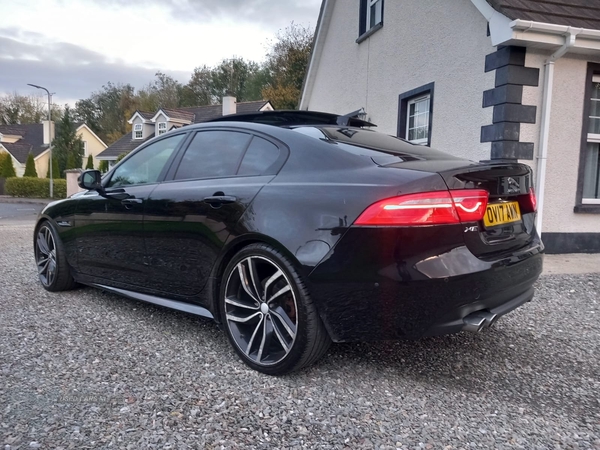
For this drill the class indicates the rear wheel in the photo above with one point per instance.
(53, 269)
(268, 314)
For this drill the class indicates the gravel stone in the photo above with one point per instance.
(86, 369)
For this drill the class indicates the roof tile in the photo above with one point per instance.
(32, 140)
(575, 13)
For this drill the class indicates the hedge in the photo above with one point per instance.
(35, 187)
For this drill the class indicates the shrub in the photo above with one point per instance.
(7, 170)
(90, 163)
(55, 170)
(30, 167)
(35, 187)
(103, 167)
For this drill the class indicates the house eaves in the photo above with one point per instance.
(145, 116)
(529, 33)
(83, 125)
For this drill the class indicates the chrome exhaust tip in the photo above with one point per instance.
(479, 320)
(473, 323)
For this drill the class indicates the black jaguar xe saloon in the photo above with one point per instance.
(295, 229)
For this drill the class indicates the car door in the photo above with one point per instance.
(190, 217)
(110, 227)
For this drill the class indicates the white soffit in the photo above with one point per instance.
(527, 33)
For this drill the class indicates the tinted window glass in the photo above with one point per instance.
(360, 141)
(213, 154)
(146, 165)
(260, 156)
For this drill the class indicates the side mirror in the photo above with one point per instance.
(90, 180)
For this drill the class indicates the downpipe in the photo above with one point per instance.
(477, 321)
(542, 156)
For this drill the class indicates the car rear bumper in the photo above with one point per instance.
(395, 296)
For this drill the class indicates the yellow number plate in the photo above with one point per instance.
(501, 213)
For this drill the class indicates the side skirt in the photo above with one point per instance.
(173, 304)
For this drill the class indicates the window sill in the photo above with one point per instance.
(587, 209)
(367, 34)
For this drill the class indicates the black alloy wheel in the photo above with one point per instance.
(268, 315)
(53, 269)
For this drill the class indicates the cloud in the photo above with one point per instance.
(271, 14)
(73, 72)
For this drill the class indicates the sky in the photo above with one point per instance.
(73, 47)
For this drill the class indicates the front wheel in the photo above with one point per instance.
(268, 314)
(53, 269)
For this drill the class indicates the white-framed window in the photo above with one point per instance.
(591, 170)
(374, 13)
(415, 114)
(137, 131)
(371, 16)
(417, 120)
(162, 128)
(85, 149)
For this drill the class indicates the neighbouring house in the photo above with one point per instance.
(146, 125)
(22, 139)
(481, 79)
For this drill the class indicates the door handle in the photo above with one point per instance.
(129, 202)
(220, 199)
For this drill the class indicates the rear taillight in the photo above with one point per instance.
(528, 202)
(470, 204)
(427, 208)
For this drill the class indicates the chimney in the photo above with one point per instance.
(228, 105)
(48, 126)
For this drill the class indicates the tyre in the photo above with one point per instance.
(53, 269)
(268, 314)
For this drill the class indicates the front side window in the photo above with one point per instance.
(137, 131)
(146, 165)
(371, 16)
(162, 128)
(213, 154)
(591, 170)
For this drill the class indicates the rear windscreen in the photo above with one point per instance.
(381, 148)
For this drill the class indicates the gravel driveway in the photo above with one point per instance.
(86, 369)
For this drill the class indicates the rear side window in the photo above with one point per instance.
(259, 157)
(213, 154)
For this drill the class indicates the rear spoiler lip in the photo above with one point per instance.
(321, 118)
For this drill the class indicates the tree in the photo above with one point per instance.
(90, 162)
(7, 170)
(198, 90)
(115, 104)
(231, 77)
(87, 111)
(73, 161)
(287, 62)
(55, 170)
(17, 109)
(235, 76)
(67, 145)
(30, 167)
